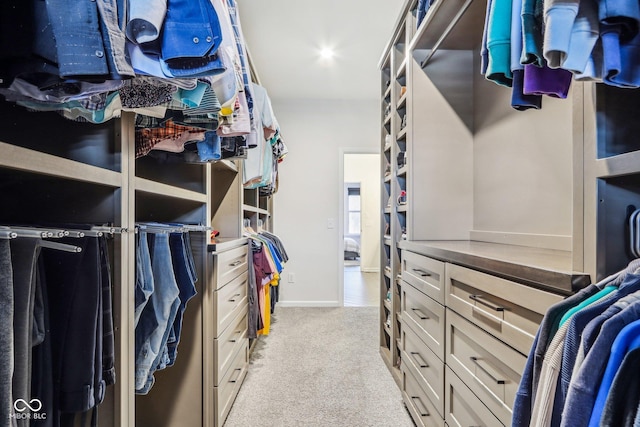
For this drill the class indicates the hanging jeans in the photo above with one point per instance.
(24, 254)
(159, 312)
(6, 334)
(144, 274)
(186, 277)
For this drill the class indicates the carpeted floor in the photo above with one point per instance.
(319, 367)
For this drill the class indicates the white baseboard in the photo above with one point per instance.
(547, 241)
(370, 270)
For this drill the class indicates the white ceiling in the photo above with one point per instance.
(285, 36)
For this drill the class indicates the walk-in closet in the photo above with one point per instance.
(284, 213)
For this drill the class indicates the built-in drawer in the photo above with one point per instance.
(422, 410)
(509, 310)
(228, 265)
(226, 392)
(228, 302)
(490, 368)
(427, 368)
(227, 345)
(463, 408)
(425, 274)
(426, 316)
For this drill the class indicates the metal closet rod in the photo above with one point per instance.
(168, 228)
(12, 232)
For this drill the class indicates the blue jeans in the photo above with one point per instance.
(160, 310)
(144, 274)
(186, 276)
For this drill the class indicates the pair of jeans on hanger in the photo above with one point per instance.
(169, 284)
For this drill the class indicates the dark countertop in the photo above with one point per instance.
(547, 269)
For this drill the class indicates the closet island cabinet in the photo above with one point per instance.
(56, 171)
(490, 214)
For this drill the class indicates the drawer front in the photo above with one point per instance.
(225, 394)
(509, 310)
(228, 265)
(420, 407)
(425, 274)
(228, 344)
(228, 302)
(426, 367)
(426, 317)
(490, 368)
(463, 408)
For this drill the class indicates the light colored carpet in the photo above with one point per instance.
(320, 367)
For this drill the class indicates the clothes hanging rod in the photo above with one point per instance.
(60, 246)
(159, 228)
(12, 232)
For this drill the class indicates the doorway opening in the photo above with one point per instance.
(361, 229)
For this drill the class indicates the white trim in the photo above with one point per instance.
(547, 241)
(370, 270)
(341, 196)
(310, 304)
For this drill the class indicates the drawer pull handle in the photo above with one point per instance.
(236, 263)
(421, 409)
(477, 360)
(418, 358)
(235, 339)
(238, 376)
(233, 298)
(421, 272)
(420, 314)
(482, 300)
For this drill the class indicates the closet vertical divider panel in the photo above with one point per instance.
(124, 300)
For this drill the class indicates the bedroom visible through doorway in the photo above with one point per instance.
(361, 229)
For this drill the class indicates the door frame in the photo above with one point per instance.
(341, 191)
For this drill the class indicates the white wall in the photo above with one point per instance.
(365, 169)
(309, 191)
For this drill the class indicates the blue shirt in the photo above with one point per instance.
(627, 340)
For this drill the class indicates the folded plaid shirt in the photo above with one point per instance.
(147, 138)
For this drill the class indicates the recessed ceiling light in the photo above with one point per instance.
(327, 53)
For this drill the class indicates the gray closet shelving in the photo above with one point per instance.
(539, 197)
(57, 171)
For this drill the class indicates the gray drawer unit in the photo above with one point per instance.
(508, 310)
(425, 274)
(229, 301)
(425, 316)
(225, 394)
(228, 265)
(463, 408)
(422, 410)
(427, 368)
(490, 368)
(227, 345)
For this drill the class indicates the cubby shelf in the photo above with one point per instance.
(25, 159)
